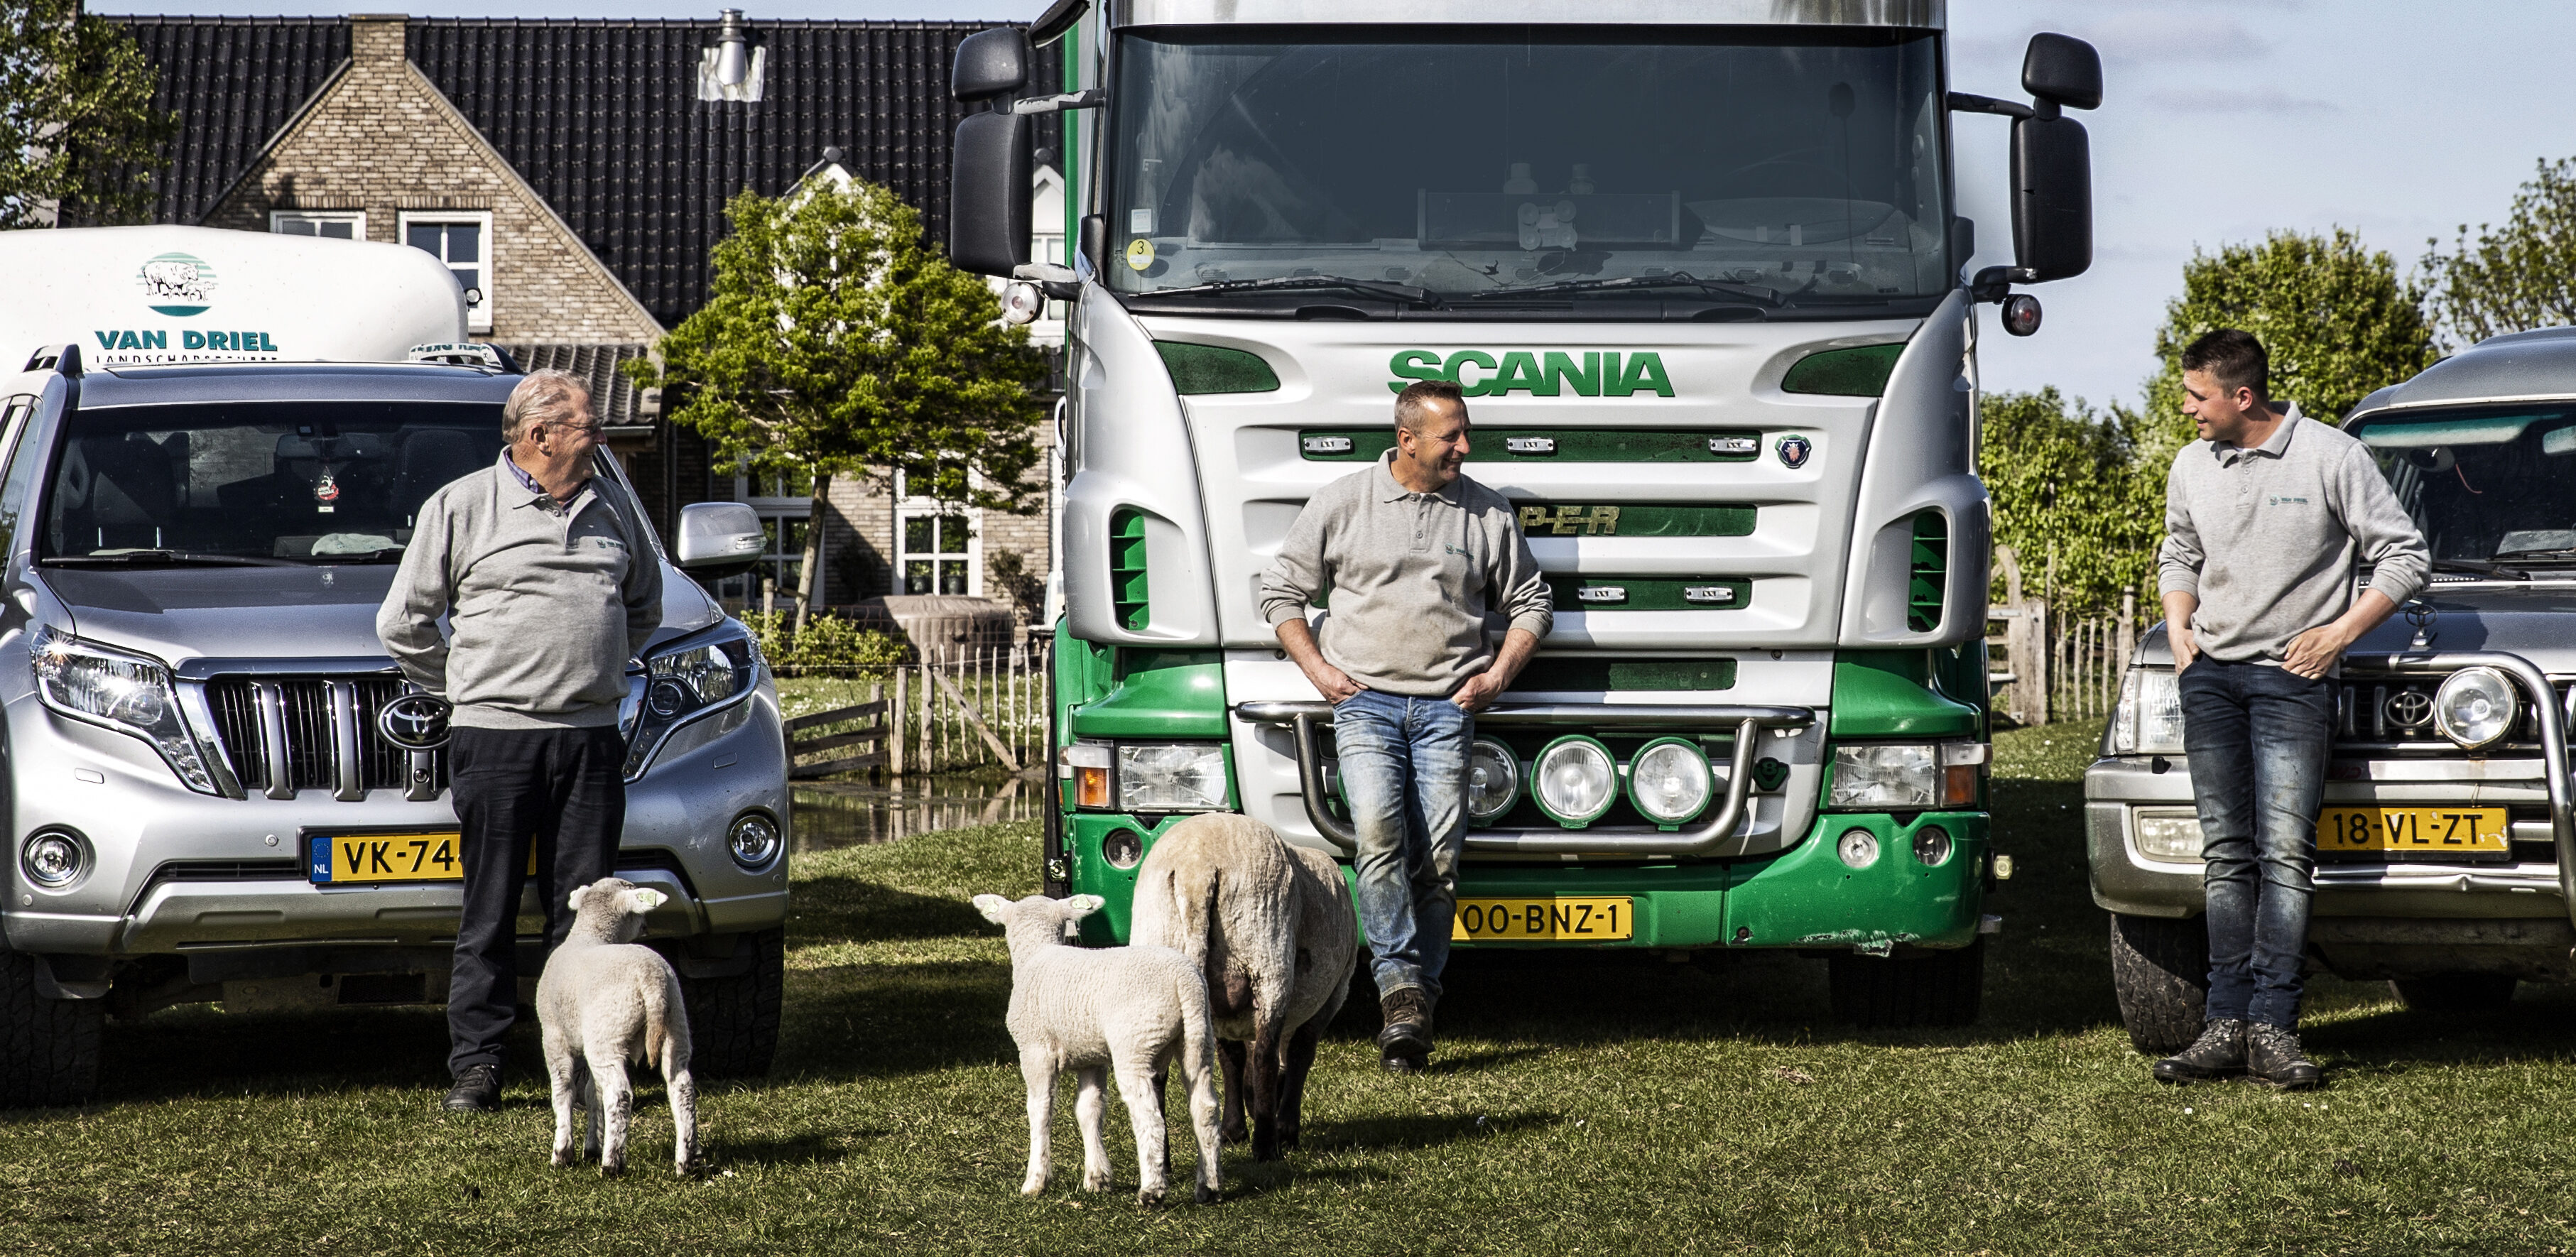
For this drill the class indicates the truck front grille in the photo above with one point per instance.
(284, 735)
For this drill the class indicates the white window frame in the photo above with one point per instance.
(908, 507)
(478, 316)
(779, 512)
(356, 219)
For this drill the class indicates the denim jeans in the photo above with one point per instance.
(1404, 768)
(2257, 738)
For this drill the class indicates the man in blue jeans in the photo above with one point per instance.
(1422, 565)
(2267, 517)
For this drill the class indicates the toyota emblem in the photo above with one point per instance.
(1794, 451)
(2410, 709)
(417, 722)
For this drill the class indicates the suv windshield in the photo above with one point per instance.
(1793, 173)
(2484, 484)
(264, 482)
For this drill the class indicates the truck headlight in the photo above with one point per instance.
(1175, 777)
(1574, 780)
(2148, 720)
(685, 680)
(2168, 837)
(2474, 707)
(1903, 776)
(1669, 781)
(121, 691)
(1493, 781)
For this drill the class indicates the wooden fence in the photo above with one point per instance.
(961, 711)
(2054, 666)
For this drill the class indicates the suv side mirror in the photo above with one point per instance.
(989, 188)
(718, 539)
(2052, 160)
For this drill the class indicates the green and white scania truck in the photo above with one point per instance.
(1698, 266)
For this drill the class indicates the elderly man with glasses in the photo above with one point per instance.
(550, 585)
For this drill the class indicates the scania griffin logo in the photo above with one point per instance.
(414, 722)
(1794, 451)
(2410, 709)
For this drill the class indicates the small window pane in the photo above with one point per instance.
(422, 236)
(917, 534)
(468, 280)
(294, 227)
(952, 576)
(343, 230)
(916, 576)
(465, 242)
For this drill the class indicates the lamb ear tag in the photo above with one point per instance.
(575, 897)
(647, 900)
(991, 906)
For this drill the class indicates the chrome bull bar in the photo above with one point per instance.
(1620, 840)
(2553, 733)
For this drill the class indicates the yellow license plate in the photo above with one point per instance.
(1586, 920)
(2413, 830)
(429, 855)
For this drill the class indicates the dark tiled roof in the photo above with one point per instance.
(612, 396)
(233, 82)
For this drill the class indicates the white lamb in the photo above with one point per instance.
(1129, 1009)
(605, 1001)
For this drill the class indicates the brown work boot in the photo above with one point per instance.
(2273, 1055)
(1404, 1046)
(2218, 1053)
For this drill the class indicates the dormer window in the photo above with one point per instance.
(463, 240)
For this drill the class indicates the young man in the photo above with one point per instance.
(1420, 560)
(2267, 516)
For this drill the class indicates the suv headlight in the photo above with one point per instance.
(684, 681)
(2148, 720)
(2474, 707)
(124, 692)
(1904, 776)
(1171, 777)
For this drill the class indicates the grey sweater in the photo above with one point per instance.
(2268, 538)
(548, 601)
(1416, 580)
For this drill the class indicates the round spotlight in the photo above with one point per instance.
(1123, 848)
(1858, 848)
(2474, 707)
(1493, 781)
(1574, 780)
(2021, 314)
(1669, 781)
(54, 858)
(754, 842)
(1931, 846)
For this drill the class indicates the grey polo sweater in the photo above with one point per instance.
(2269, 538)
(1416, 580)
(546, 601)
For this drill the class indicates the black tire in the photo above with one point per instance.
(2160, 970)
(1933, 988)
(49, 1048)
(2454, 992)
(733, 1022)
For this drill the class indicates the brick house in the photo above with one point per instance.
(573, 175)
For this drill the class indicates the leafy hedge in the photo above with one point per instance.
(829, 646)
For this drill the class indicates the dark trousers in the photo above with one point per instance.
(558, 792)
(2257, 738)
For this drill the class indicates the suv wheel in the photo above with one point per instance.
(2454, 992)
(48, 1047)
(2160, 969)
(1931, 988)
(733, 1022)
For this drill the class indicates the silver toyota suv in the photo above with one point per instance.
(2446, 851)
(215, 789)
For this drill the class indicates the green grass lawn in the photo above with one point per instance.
(1599, 1103)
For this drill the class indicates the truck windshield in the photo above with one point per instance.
(2486, 484)
(294, 482)
(1794, 172)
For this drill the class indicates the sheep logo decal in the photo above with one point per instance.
(177, 284)
(414, 722)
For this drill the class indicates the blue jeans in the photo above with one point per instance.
(2257, 738)
(1404, 768)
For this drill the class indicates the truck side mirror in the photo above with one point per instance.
(994, 63)
(717, 540)
(2052, 161)
(2059, 68)
(989, 188)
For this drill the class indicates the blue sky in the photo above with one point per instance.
(2221, 121)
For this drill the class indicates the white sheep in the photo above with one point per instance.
(605, 1001)
(1129, 1009)
(1271, 928)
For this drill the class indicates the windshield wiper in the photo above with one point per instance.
(381, 554)
(1392, 292)
(167, 558)
(2560, 553)
(2480, 566)
(1749, 292)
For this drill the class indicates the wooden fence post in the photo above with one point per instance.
(894, 721)
(2128, 630)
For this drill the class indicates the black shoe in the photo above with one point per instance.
(1408, 1026)
(2218, 1053)
(1394, 1064)
(2272, 1055)
(477, 1090)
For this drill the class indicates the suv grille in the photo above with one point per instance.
(2398, 712)
(317, 733)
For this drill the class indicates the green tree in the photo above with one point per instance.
(835, 343)
(78, 133)
(2066, 484)
(2516, 277)
(2337, 319)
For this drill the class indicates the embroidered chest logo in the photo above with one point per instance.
(1571, 521)
(2281, 499)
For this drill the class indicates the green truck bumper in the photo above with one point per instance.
(1805, 897)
